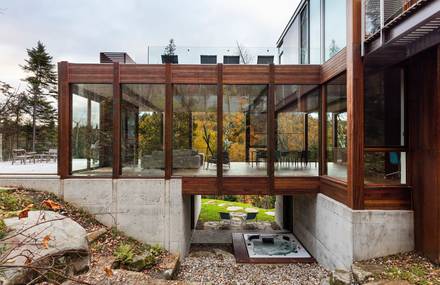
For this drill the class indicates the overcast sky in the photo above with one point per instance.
(77, 30)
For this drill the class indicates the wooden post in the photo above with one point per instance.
(116, 121)
(323, 132)
(355, 106)
(168, 123)
(64, 114)
(219, 128)
(271, 129)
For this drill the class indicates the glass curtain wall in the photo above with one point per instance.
(336, 117)
(92, 129)
(195, 130)
(334, 27)
(297, 130)
(142, 128)
(315, 31)
(289, 52)
(385, 127)
(304, 40)
(245, 130)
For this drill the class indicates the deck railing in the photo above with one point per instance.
(379, 13)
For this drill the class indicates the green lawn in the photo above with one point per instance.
(211, 208)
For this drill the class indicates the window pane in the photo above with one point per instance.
(195, 130)
(334, 26)
(384, 109)
(297, 130)
(245, 130)
(305, 35)
(290, 46)
(142, 129)
(315, 31)
(92, 133)
(337, 128)
(385, 167)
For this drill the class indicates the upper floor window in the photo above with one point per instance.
(334, 27)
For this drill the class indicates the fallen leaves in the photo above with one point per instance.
(51, 205)
(24, 213)
(46, 240)
(108, 271)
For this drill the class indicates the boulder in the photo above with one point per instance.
(340, 277)
(360, 274)
(41, 240)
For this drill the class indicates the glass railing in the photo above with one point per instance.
(378, 13)
(214, 55)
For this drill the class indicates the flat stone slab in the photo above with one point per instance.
(39, 240)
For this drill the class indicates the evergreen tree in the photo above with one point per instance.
(170, 49)
(41, 83)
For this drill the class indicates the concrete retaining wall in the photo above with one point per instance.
(337, 236)
(150, 210)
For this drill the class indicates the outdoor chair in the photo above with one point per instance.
(19, 155)
(213, 160)
(394, 160)
(52, 154)
(250, 217)
(225, 218)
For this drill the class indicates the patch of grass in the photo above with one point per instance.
(415, 274)
(124, 253)
(210, 210)
(12, 201)
(3, 229)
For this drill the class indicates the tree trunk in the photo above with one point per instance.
(34, 130)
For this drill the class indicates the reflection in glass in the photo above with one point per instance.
(305, 35)
(315, 31)
(92, 143)
(297, 130)
(142, 128)
(334, 27)
(289, 51)
(384, 109)
(195, 130)
(245, 130)
(337, 128)
(385, 167)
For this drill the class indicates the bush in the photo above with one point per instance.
(3, 229)
(230, 198)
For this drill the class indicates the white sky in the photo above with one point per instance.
(77, 30)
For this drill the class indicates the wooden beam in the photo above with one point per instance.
(116, 121)
(168, 123)
(219, 128)
(355, 106)
(64, 114)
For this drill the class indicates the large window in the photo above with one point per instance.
(315, 31)
(142, 128)
(334, 27)
(92, 129)
(337, 128)
(384, 108)
(305, 36)
(195, 130)
(297, 130)
(245, 130)
(289, 52)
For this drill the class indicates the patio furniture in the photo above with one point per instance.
(19, 155)
(250, 217)
(52, 154)
(225, 218)
(394, 160)
(213, 160)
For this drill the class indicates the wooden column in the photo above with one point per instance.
(323, 132)
(271, 129)
(64, 114)
(116, 121)
(219, 128)
(355, 106)
(168, 123)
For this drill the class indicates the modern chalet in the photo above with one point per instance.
(341, 121)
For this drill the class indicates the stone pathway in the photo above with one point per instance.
(216, 265)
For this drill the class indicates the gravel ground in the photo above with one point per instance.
(217, 266)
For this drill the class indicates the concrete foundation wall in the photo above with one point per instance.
(337, 236)
(279, 210)
(197, 207)
(150, 210)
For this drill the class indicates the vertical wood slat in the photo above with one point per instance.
(64, 114)
(323, 132)
(168, 122)
(355, 107)
(219, 128)
(271, 128)
(116, 120)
